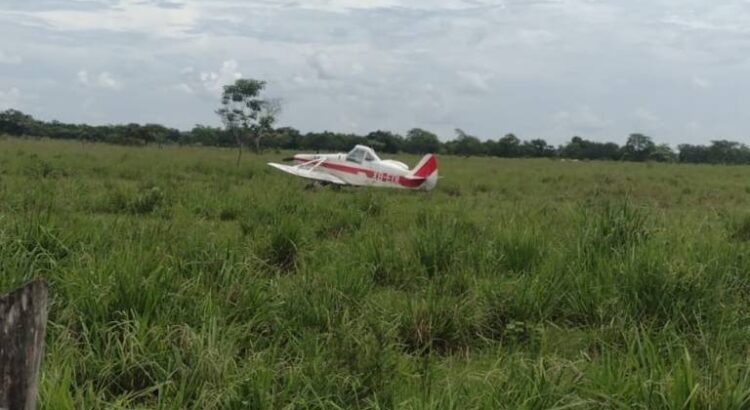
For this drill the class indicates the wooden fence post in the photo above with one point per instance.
(23, 320)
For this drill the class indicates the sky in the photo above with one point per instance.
(677, 70)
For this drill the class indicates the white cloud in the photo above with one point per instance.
(104, 80)
(323, 66)
(184, 88)
(83, 77)
(214, 82)
(647, 121)
(124, 16)
(580, 120)
(473, 82)
(6, 58)
(536, 37)
(703, 24)
(10, 98)
(646, 115)
(700, 82)
(347, 5)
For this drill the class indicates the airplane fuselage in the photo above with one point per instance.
(362, 167)
(370, 173)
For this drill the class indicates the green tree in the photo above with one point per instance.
(419, 141)
(663, 153)
(580, 148)
(16, 123)
(155, 133)
(386, 140)
(638, 148)
(509, 146)
(537, 148)
(728, 152)
(696, 154)
(209, 136)
(466, 144)
(245, 113)
(284, 138)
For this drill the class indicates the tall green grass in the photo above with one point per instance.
(179, 280)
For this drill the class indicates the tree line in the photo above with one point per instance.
(637, 147)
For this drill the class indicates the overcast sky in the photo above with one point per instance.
(678, 70)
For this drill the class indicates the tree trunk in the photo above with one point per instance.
(23, 320)
(239, 147)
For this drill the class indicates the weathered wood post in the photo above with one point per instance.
(23, 320)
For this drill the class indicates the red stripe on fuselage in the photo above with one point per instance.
(349, 170)
(411, 182)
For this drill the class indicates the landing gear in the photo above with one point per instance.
(315, 185)
(312, 186)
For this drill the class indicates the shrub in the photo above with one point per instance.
(282, 250)
(147, 201)
(229, 214)
(612, 229)
(517, 252)
(740, 229)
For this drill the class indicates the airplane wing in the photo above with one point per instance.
(307, 170)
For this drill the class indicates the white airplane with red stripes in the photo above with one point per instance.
(362, 167)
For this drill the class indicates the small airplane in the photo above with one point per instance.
(362, 167)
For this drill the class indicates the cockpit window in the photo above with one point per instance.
(369, 157)
(356, 155)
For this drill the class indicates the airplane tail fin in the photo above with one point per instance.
(427, 169)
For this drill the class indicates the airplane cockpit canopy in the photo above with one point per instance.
(361, 153)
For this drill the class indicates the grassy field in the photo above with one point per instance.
(180, 281)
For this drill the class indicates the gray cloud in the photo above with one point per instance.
(103, 80)
(6, 58)
(551, 69)
(9, 98)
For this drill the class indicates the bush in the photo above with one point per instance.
(740, 229)
(283, 248)
(144, 202)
